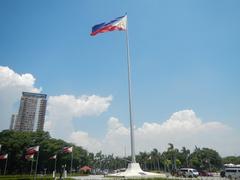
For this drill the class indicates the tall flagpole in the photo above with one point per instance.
(31, 166)
(5, 166)
(71, 162)
(55, 165)
(130, 100)
(35, 176)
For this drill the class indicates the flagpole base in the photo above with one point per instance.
(134, 170)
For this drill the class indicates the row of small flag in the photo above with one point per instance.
(33, 150)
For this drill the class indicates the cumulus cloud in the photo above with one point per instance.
(116, 138)
(12, 85)
(183, 128)
(61, 111)
(83, 139)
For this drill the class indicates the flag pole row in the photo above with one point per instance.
(31, 152)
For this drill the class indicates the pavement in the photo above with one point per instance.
(100, 177)
(91, 177)
(200, 178)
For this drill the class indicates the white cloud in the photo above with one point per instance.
(116, 138)
(61, 111)
(183, 128)
(12, 85)
(83, 139)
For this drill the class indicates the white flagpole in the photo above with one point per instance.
(35, 176)
(5, 166)
(71, 162)
(55, 165)
(130, 99)
(31, 166)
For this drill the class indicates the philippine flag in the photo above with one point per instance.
(29, 156)
(4, 156)
(32, 150)
(53, 157)
(119, 24)
(68, 149)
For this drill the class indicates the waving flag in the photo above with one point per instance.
(53, 157)
(32, 150)
(119, 23)
(4, 156)
(67, 149)
(29, 156)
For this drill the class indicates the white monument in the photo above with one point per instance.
(134, 170)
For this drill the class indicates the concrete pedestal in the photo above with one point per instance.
(134, 170)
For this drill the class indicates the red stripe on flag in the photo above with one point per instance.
(4, 156)
(107, 29)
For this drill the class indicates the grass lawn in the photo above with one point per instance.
(27, 177)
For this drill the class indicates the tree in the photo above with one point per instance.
(15, 144)
(142, 158)
(173, 153)
(184, 156)
(206, 159)
(155, 156)
(231, 159)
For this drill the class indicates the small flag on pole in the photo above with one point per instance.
(119, 24)
(33, 150)
(29, 156)
(68, 149)
(53, 157)
(3, 156)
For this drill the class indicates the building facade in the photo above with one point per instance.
(13, 124)
(31, 114)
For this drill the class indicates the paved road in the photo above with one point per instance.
(201, 178)
(91, 177)
(100, 177)
(213, 178)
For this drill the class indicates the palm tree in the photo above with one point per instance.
(185, 154)
(155, 156)
(143, 157)
(98, 159)
(173, 152)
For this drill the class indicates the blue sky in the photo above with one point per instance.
(185, 55)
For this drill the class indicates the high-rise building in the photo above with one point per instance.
(31, 114)
(13, 124)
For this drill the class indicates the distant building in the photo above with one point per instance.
(31, 114)
(13, 124)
